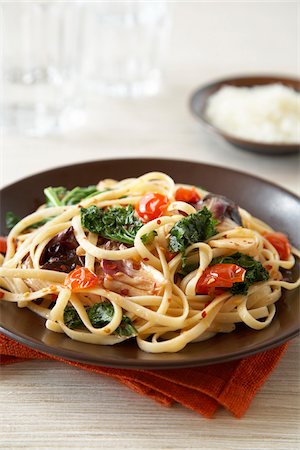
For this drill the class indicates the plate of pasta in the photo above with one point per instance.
(149, 263)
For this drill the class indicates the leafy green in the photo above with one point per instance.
(126, 328)
(254, 271)
(41, 222)
(148, 238)
(115, 223)
(71, 318)
(187, 268)
(100, 314)
(194, 228)
(60, 196)
(79, 193)
(56, 196)
(11, 220)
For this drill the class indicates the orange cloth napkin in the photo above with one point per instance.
(232, 385)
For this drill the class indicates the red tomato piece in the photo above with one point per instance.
(219, 276)
(81, 278)
(3, 245)
(281, 243)
(151, 206)
(187, 195)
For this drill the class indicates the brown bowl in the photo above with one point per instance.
(198, 102)
(267, 201)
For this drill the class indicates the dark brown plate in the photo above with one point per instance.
(271, 203)
(198, 103)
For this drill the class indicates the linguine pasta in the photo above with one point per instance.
(157, 291)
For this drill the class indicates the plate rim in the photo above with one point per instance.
(131, 158)
(66, 354)
(69, 355)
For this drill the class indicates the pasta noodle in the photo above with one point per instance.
(169, 298)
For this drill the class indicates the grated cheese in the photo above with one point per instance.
(268, 113)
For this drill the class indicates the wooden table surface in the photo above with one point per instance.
(50, 405)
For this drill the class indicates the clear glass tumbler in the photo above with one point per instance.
(40, 74)
(125, 42)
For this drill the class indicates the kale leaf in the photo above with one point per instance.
(254, 271)
(194, 228)
(11, 220)
(187, 268)
(79, 193)
(60, 196)
(148, 238)
(71, 318)
(115, 223)
(100, 314)
(126, 328)
(41, 222)
(56, 196)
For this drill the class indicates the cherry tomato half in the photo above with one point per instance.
(3, 245)
(219, 276)
(81, 278)
(187, 195)
(151, 206)
(281, 243)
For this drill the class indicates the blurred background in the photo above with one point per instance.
(92, 80)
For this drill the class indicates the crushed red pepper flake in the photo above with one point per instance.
(125, 292)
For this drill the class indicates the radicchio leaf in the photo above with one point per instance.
(221, 207)
(60, 253)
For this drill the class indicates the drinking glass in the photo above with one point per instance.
(40, 74)
(124, 46)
